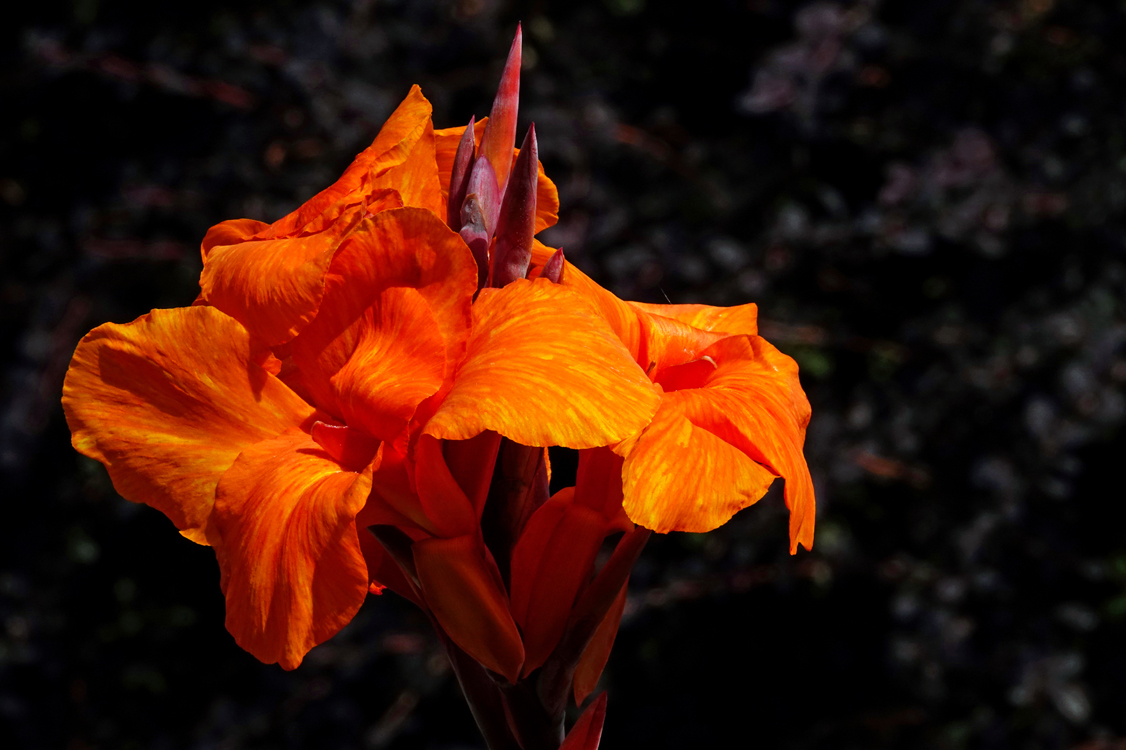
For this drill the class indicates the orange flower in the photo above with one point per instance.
(395, 357)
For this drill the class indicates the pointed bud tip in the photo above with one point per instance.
(553, 269)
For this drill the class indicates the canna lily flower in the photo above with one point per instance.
(363, 393)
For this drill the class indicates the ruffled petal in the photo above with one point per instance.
(681, 477)
(168, 402)
(738, 416)
(542, 368)
(410, 248)
(273, 286)
(284, 533)
(398, 361)
(416, 179)
(272, 280)
(393, 147)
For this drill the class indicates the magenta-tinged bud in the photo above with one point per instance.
(459, 177)
(500, 131)
(517, 222)
(479, 215)
(553, 269)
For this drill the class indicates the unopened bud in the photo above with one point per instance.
(517, 223)
(459, 176)
(500, 131)
(479, 215)
(553, 269)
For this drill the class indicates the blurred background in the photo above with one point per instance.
(923, 196)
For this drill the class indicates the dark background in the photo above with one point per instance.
(924, 197)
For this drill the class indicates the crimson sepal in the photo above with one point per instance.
(587, 732)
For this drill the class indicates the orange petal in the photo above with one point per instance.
(284, 533)
(468, 600)
(416, 179)
(398, 361)
(681, 477)
(741, 319)
(597, 652)
(620, 316)
(542, 369)
(711, 448)
(231, 232)
(167, 403)
(272, 281)
(547, 195)
(393, 147)
(666, 342)
(273, 286)
(407, 247)
(552, 560)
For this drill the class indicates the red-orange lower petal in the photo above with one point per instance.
(468, 600)
(284, 532)
(168, 402)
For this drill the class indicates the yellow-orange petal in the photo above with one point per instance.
(740, 319)
(666, 342)
(542, 368)
(167, 403)
(230, 232)
(619, 315)
(681, 477)
(467, 598)
(284, 532)
(407, 247)
(446, 140)
(745, 409)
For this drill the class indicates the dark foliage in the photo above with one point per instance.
(923, 196)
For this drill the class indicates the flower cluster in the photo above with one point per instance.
(363, 394)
